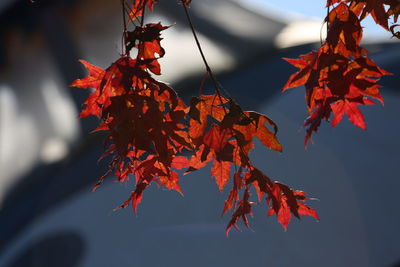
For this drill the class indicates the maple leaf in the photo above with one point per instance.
(216, 138)
(215, 145)
(93, 80)
(201, 108)
(280, 207)
(180, 162)
(234, 195)
(287, 202)
(345, 27)
(243, 209)
(186, 2)
(341, 107)
(171, 182)
(138, 7)
(307, 65)
(255, 127)
(147, 39)
(107, 83)
(394, 9)
(221, 170)
(137, 195)
(321, 111)
(377, 10)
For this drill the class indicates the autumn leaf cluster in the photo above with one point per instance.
(339, 77)
(152, 133)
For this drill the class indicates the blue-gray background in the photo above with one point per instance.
(49, 216)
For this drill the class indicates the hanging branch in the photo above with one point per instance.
(149, 127)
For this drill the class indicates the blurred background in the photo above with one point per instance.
(48, 161)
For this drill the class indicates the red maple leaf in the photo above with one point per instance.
(147, 40)
(394, 9)
(377, 10)
(243, 209)
(138, 7)
(341, 107)
(221, 170)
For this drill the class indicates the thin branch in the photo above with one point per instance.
(216, 84)
(327, 19)
(126, 52)
(143, 10)
(141, 25)
(208, 69)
